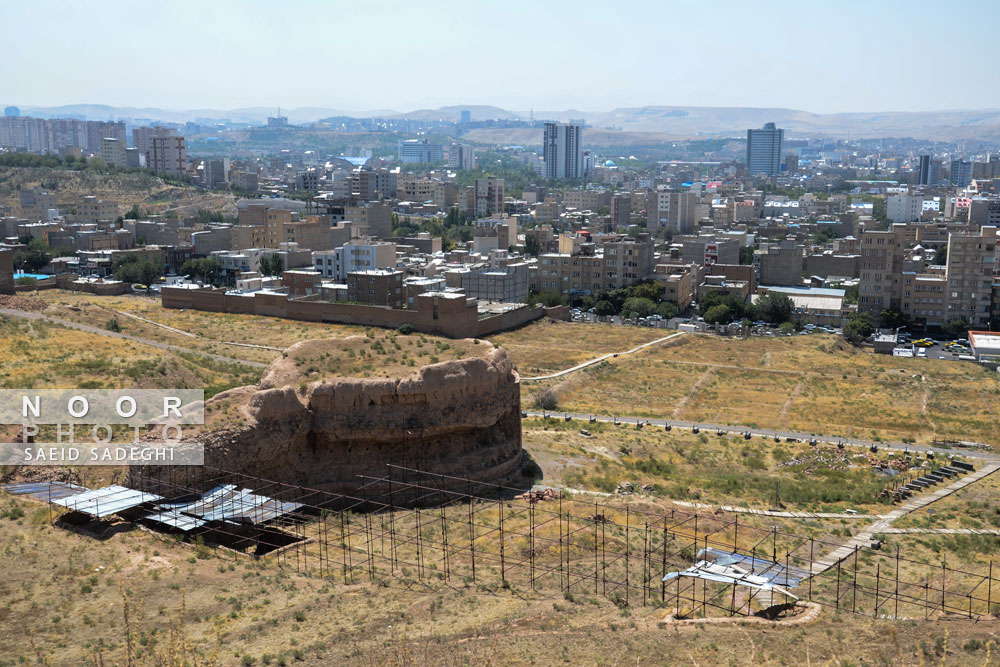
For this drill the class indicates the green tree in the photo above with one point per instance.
(858, 329)
(646, 290)
(272, 265)
(206, 269)
(552, 299)
(893, 319)
(531, 245)
(851, 294)
(36, 257)
(604, 308)
(956, 328)
(941, 255)
(786, 328)
(718, 314)
(746, 254)
(638, 307)
(775, 307)
(133, 269)
(666, 310)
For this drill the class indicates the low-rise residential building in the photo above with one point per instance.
(985, 346)
(506, 284)
(382, 287)
(335, 264)
(679, 281)
(94, 210)
(299, 282)
(812, 305)
(620, 262)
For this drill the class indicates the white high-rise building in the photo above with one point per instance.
(904, 208)
(563, 151)
(461, 156)
(764, 150)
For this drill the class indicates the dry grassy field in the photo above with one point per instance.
(974, 507)
(812, 384)
(705, 467)
(140, 598)
(143, 598)
(547, 346)
(38, 354)
(217, 333)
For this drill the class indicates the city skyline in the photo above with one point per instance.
(819, 59)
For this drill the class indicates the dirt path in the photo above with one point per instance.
(603, 357)
(796, 391)
(703, 381)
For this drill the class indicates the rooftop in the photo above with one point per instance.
(985, 339)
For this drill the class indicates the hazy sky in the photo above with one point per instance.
(846, 55)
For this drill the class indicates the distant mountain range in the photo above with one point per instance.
(673, 120)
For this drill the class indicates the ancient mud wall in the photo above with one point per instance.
(457, 418)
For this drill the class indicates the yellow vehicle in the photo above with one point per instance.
(923, 342)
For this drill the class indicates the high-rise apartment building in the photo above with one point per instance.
(98, 130)
(167, 155)
(216, 173)
(904, 208)
(419, 151)
(563, 151)
(672, 210)
(764, 150)
(489, 196)
(113, 152)
(142, 135)
(971, 260)
(461, 156)
(930, 170)
(621, 211)
(961, 173)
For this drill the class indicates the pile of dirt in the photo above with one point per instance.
(22, 303)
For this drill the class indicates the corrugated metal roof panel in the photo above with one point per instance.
(44, 491)
(227, 503)
(177, 520)
(107, 501)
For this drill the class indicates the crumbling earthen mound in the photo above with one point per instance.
(459, 418)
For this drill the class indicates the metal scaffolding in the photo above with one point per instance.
(416, 528)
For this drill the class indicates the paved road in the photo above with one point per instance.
(601, 358)
(28, 315)
(730, 429)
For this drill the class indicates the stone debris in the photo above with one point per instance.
(22, 303)
(539, 495)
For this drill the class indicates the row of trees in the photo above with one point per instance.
(772, 307)
(272, 265)
(132, 268)
(206, 269)
(453, 229)
(640, 300)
